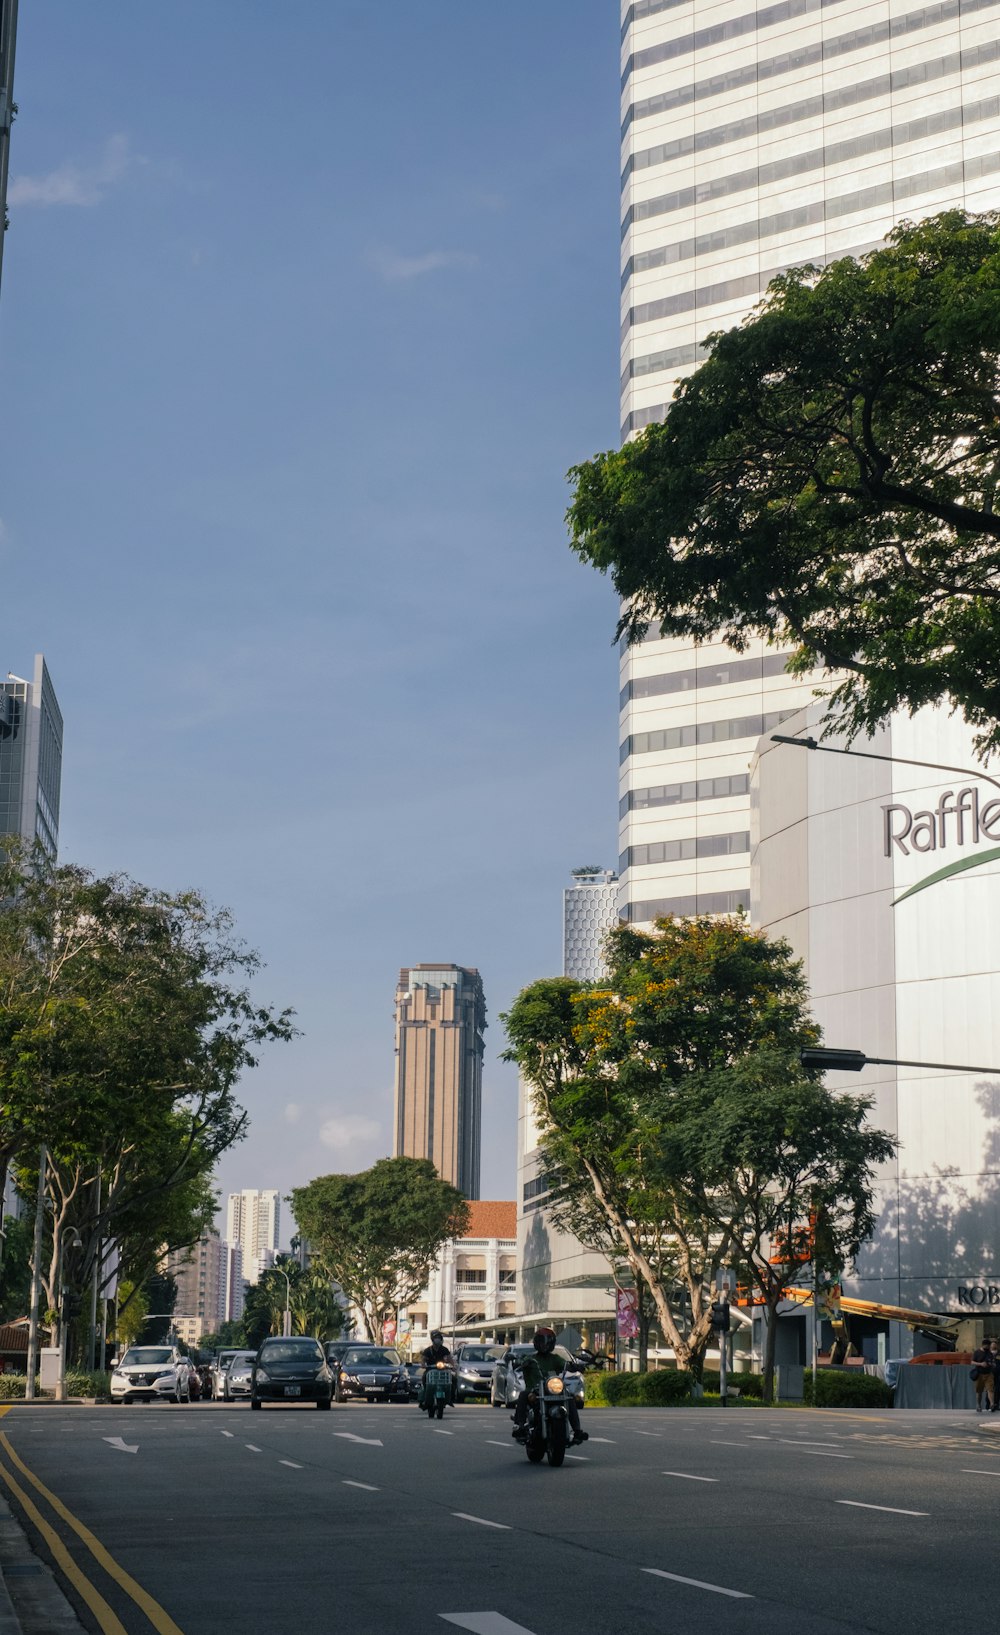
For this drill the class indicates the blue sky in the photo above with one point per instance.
(306, 311)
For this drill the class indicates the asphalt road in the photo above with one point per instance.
(366, 1520)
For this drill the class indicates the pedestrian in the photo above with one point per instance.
(995, 1377)
(981, 1374)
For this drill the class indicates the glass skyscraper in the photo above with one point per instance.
(755, 138)
(31, 736)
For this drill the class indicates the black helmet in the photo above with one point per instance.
(437, 1338)
(544, 1341)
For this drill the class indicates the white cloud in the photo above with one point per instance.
(395, 269)
(75, 184)
(293, 1112)
(348, 1130)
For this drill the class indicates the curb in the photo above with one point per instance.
(31, 1602)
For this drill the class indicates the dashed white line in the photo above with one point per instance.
(699, 1584)
(799, 1442)
(820, 1453)
(510, 1444)
(684, 1476)
(463, 1515)
(728, 1444)
(967, 1472)
(484, 1623)
(251, 1449)
(581, 1458)
(366, 1485)
(891, 1509)
(657, 1434)
(608, 1439)
(444, 1433)
(754, 1437)
(230, 1434)
(290, 1463)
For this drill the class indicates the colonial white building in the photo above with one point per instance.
(473, 1286)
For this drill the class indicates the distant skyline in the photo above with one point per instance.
(301, 328)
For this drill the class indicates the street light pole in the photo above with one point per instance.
(852, 1061)
(287, 1326)
(872, 755)
(74, 1241)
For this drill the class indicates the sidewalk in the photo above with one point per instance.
(31, 1602)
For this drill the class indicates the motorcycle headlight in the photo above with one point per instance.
(555, 1385)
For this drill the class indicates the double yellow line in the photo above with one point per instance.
(106, 1617)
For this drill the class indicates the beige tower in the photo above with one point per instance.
(440, 1020)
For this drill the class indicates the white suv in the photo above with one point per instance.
(151, 1373)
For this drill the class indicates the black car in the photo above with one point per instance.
(334, 1351)
(414, 1372)
(374, 1372)
(475, 1364)
(291, 1370)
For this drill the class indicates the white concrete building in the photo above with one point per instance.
(905, 974)
(473, 1286)
(590, 909)
(755, 138)
(31, 740)
(253, 1220)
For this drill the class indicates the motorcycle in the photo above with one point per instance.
(548, 1423)
(438, 1386)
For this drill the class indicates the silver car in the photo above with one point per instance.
(508, 1380)
(236, 1380)
(474, 1366)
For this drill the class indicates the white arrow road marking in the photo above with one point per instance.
(480, 1521)
(891, 1509)
(369, 1441)
(684, 1477)
(484, 1623)
(251, 1448)
(698, 1584)
(366, 1485)
(290, 1463)
(116, 1442)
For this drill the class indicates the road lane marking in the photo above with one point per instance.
(698, 1584)
(685, 1477)
(366, 1485)
(820, 1453)
(510, 1444)
(798, 1442)
(463, 1515)
(754, 1437)
(250, 1448)
(158, 1617)
(608, 1439)
(484, 1623)
(891, 1509)
(581, 1458)
(230, 1434)
(116, 1442)
(444, 1433)
(657, 1434)
(349, 1436)
(967, 1472)
(290, 1463)
(729, 1444)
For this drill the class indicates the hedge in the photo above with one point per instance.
(12, 1386)
(846, 1390)
(660, 1389)
(747, 1385)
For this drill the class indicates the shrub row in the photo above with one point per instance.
(748, 1385)
(846, 1390)
(659, 1389)
(12, 1386)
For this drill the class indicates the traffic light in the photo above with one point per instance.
(72, 1307)
(720, 1317)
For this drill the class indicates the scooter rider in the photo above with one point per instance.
(432, 1354)
(536, 1369)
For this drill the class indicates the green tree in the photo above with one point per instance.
(375, 1234)
(827, 479)
(228, 1334)
(15, 1273)
(126, 1021)
(648, 1088)
(312, 1306)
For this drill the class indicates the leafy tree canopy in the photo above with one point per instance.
(827, 479)
(376, 1233)
(674, 1109)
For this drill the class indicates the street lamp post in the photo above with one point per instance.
(287, 1325)
(872, 755)
(74, 1241)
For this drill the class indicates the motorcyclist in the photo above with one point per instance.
(431, 1355)
(536, 1369)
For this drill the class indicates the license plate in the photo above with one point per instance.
(374, 1391)
(293, 1390)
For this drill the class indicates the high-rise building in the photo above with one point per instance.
(590, 909)
(8, 39)
(440, 1021)
(755, 138)
(31, 736)
(233, 1285)
(198, 1273)
(253, 1221)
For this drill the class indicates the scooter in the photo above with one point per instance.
(548, 1422)
(438, 1390)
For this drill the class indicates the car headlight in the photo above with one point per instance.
(117, 1374)
(262, 1377)
(467, 1374)
(166, 1374)
(352, 1377)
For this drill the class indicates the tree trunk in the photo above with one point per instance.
(770, 1335)
(644, 1322)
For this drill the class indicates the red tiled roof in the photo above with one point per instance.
(13, 1338)
(489, 1218)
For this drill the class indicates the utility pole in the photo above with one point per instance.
(720, 1327)
(98, 1258)
(36, 1275)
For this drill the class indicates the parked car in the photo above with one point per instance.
(291, 1370)
(508, 1381)
(474, 1365)
(334, 1351)
(243, 1361)
(151, 1373)
(375, 1372)
(414, 1372)
(236, 1382)
(218, 1367)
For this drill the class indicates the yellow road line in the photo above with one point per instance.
(158, 1617)
(109, 1621)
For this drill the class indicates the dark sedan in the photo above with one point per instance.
(374, 1372)
(291, 1370)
